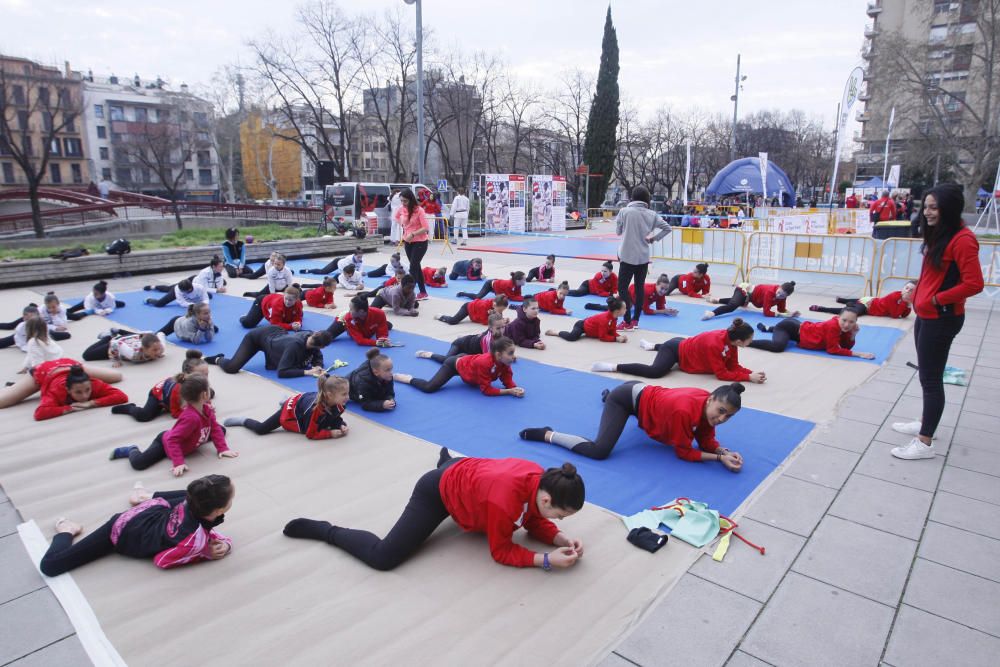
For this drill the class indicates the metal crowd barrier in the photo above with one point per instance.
(826, 254)
(712, 245)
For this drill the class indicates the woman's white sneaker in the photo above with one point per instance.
(907, 428)
(914, 450)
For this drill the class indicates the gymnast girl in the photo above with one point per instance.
(184, 293)
(711, 352)
(282, 309)
(766, 297)
(120, 345)
(492, 496)
(474, 343)
(235, 254)
(278, 276)
(195, 426)
(392, 266)
(526, 329)
(292, 354)
(20, 336)
(604, 283)
(696, 284)
(435, 277)
(357, 260)
(212, 277)
(836, 336)
(675, 417)
(896, 304)
(39, 348)
(546, 273)
(171, 527)
(655, 298)
(351, 279)
(321, 296)
(371, 384)
(603, 327)
(475, 369)
(396, 279)
(365, 324)
(553, 300)
(315, 414)
(402, 298)
(66, 386)
(165, 396)
(478, 311)
(54, 314)
(99, 302)
(263, 271)
(195, 326)
(509, 288)
(470, 269)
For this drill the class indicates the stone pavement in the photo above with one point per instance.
(870, 560)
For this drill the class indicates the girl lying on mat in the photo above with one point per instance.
(475, 369)
(195, 326)
(526, 329)
(766, 297)
(99, 302)
(315, 414)
(195, 426)
(696, 284)
(478, 311)
(509, 288)
(473, 343)
(321, 295)
(655, 297)
(837, 335)
(546, 273)
(165, 396)
(896, 305)
(604, 282)
(120, 345)
(492, 496)
(603, 327)
(675, 417)
(712, 352)
(292, 354)
(470, 269)
(371, 383)
(554, 300)
(365, 324)
(282, 309)
(66, 386)
(171, 527)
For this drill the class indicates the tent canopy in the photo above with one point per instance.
(743, 175)
(873, 182)
(982, 193)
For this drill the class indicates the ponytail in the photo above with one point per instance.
(76, 375)
(701, 268)
(192, 360)
(101, 287)
(501, 300)
(563, 285)
(192, 387)
(517, 276)
(207, 494)
(375, 358)
(730, 395)
(788, 287)
(565, 486)
(614, 303)
(359, 303)
(609, 265)
(739, 330)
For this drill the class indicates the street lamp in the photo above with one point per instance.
(420, 91)
(735, 99)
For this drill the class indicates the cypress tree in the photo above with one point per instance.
(602, 124)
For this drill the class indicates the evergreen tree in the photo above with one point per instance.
(602, 125)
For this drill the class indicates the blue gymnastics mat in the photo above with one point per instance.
(639, 474)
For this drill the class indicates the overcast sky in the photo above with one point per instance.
(795, 53)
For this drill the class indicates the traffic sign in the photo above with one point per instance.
(442, 185)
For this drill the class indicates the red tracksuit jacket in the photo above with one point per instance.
(826, 336)
(960, 277)
(368, 330)
(601, 286)
(431, 279)
(481, 370)
(676, 417)
(653, 302)
(275, 312)
(550, 302)
(318, 297)
(479, 310)
(691, 286)
(51, 378)
(168, 392)
(302, 413)
(765, 297)
(890, 305)
(711, 352)
(602, 326)
(507, 288)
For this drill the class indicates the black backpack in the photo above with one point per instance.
(119, 247)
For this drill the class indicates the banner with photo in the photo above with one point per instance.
(517, 202)
(496, 202)
(559, 203)
(541, 203)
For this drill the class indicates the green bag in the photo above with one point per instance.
(688, 520)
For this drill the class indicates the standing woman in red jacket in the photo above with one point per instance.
(475, 369)
(492, 496)
(835, 336)
(603, 327)
(951, 273)
(414, 223)
(66, 386)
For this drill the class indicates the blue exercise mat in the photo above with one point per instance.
(639, 474)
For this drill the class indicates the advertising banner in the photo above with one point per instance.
(559, 203)
(517, 202)
(496, 198)
(541, 203)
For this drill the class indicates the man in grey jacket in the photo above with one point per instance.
(638, 226)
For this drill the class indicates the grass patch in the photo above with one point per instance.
(186, 238)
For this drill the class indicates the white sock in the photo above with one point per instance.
(603, 367)
(646, 345)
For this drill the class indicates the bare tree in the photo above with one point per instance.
(228, 94)
(519, 103)
(36, 103)
(568, 110)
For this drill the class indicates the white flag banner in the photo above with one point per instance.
(888, 138)
(687, 173)
(893, 180)
(762, 158)
(851, 91)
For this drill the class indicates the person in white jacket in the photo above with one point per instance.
(184, 293)
(99, 302)
(351, 279)
(460, 215)
(213, 277)
(39, 347)
(396, 230)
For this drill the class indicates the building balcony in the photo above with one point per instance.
(874, 9)
(869, 53)
(870, 31)
(863, 117)
(864, 97)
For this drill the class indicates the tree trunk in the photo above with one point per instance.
(36, 210)
(177, 211)
(970, 190)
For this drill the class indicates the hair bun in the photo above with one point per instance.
(737, 322)
(193, 354)
(791, 282)
(568, 470)
(738, 388)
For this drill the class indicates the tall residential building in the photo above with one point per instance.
(41, 117)
(128, 123)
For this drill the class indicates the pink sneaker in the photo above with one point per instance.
(625, 326)
(422, 296)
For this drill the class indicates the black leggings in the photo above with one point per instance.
(582, 290)
(13, 325)
(148, 412)
(270, 424)
(251, 344)
(168, 328)
(783, 332)
(626, 272)
(99, 350)
(533, 274)
(853, 303)
(8, 341)
(737, 300)
(447, 372)
(259, 272)
(155, 453)
(462, 345)
(668, 355)
(414, 253)
(254, 315)
(77, 313)
(379, 272)
(618, 407)
(263, 292)
(165, 299)
(674, 282)
(463, 312)
(483, 291)
(933, 340)
(329, 268)
(576, 333)
(241, 272)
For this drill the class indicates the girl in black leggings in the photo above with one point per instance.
(20, 337)
(291, 354)
(165, 396)
(475, 369)
(835, 336)
(475, 493)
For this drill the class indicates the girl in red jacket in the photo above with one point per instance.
(478, 311)
(172, 527)
(835, 336)
(283, 309)
(315, 414)
(603, 327)
(492, 496)
(950, 274)
(894, 304)
(546, 273)
(435, 277)
(553, 300)
(195, 426)
(321, 296)
(165, 396)
(368, 326)
(509, 288)
(766, 297)
(715, 352)
(696, 284)
(604, 283)
(475, 369)
(655, 298)
(674, 417)
(66, 386)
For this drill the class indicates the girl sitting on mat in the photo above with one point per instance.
(66, 386)
(195, 426)
(837, 335)
(195, 326)
(315, 414)
(235, 254)
(292, 354)
(120, 345)
(20, 336)
(280, 309)
(351, 279)
(435, 277)
(674, 417)
(470, 269)
(393, 266)
(492, 496)
(212, 277)
(603, 327)
(278, 276)
(604, 283)
(99, 302)
(526, 329)
(371, 383)
(508, 288)
(165, 396)
(365, 324)
(478, 311)
(262, 272)
(894, 304)
(321, 296)
(184, 293)
(474, 343)
(711, 352)
(553, 300)
(54, 314)
(546, 273)
(696, 284)
(39, 347)
(765, 297)
(171, 527)
(402, 298)
(475, 369)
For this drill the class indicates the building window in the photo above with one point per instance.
(204, 177)
(945, 6)
(104, 152)
(144, 175)
(368, 163)
(22, 119)
(73, 147)
(200, 118)
(962, 58)
(102, 132)
(70, 124)
(55, 148)
(77, 173)
(55, 172)
(164, 115)
(26, 146)
(98, 111)
(8, 172)
(116, 111)
(43, 97)
(938, 33)
(204, 158)
(141, 115)
(17, 93)
(189, 175)
(106, 174)
(47, 121)
(123, 176)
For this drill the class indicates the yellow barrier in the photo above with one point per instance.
(712, 245)
(826, 254)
